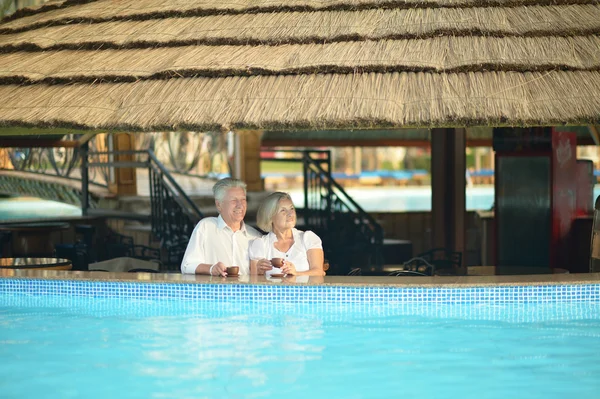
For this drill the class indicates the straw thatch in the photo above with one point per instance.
(91, 11)
(440, 54)
(194, 64)
(313, 27)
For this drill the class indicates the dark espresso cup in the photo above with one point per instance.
(277, 262)
(233, 270)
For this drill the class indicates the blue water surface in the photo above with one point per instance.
(371, 199)
(12, 208)
(411, 199)
(67, 347)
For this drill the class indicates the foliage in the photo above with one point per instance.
(422, 162)
(387, 165)
(6, 7)
(470, 159)
(280, 167)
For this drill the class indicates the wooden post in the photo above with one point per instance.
(85, 182)
(5, 159)
(124, 180)
(357, 160)
(247, 159)
(448, 200)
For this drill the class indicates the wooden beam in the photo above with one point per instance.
(248, 159)
(595, 135)
(37, 143)
(344, 143)
(85, 138)
(363, 143)
(385, 143)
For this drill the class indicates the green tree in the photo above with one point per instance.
(7, 7)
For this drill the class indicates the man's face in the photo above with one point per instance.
(233, 206)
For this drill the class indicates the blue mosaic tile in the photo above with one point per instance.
(304, 294)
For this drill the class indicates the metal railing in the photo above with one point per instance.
(351, 237)
(62, 163)
(198, 154)
(173, 215)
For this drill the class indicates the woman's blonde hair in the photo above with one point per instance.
(266, 210)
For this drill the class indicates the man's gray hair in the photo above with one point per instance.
(268, 208)
(220, 188)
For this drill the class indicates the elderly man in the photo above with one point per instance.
(217, 243)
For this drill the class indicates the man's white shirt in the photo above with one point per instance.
(213, 241)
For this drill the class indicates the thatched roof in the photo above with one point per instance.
(273, 64)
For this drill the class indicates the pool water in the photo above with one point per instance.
(12, 208)
(371, 199)
(411, 199)
(63, 347)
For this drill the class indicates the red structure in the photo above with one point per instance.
(585, 188)
(535, 195)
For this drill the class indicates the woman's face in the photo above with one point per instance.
(285, 216)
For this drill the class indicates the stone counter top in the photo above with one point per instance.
(350, 281)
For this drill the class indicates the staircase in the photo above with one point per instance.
(351, 237)
(172, 215)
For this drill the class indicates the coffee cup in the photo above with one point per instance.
(233, 270)
(277, 262)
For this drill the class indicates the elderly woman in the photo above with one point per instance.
(301, 251)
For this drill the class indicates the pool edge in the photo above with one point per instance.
(349, 281)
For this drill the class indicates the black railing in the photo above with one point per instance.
(63, 163)
(173, 214)
(198, 154)
(351, 237)
(354, 238)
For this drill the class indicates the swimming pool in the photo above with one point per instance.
(412, 198)
(82, 338)
(371, 199)
(12, 208)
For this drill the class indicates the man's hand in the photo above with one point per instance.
(218, 269)
(263, 265)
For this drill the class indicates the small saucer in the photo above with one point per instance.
(276, 275)
(233, 275)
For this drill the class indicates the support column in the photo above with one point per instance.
(477, 156)
(448, 200)
(5, 159)
(357, 160)
(123, 180)
(85, 182)
(247, 159)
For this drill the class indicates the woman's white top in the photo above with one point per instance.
(264, 248)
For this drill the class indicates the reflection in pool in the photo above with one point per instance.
(290, 341)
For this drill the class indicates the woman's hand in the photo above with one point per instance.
(288, 268)
(263, 265)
